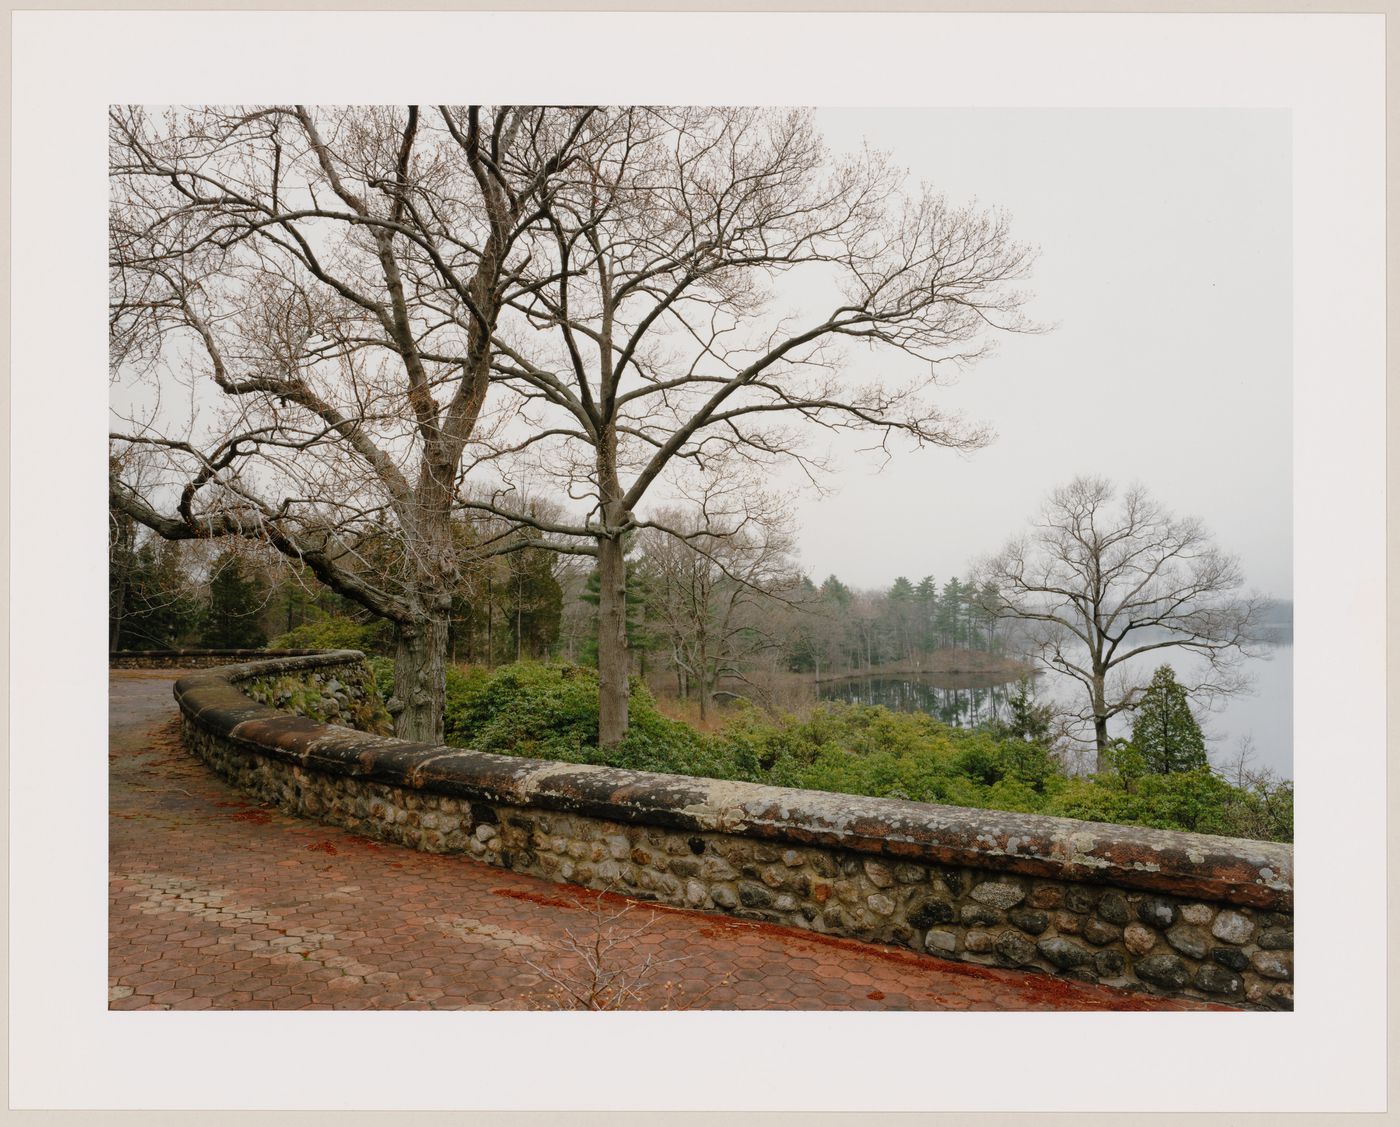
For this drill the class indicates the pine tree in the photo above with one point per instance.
(237, 599)
(1164, 730)
(927, 594)
(641, 639)
(158, 608)
(1027, 719)
(899, 619)
(950, 614)
(532, 603)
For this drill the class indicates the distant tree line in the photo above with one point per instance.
(704, 610)
(862, 630)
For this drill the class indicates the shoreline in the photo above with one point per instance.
(951, 663)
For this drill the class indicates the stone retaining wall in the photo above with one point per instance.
(337, 690)
(1172, 913)
(193, 659)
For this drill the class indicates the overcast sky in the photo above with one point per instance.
(1165, 259)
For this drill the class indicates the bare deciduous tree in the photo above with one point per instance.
(651, 343)
(328, 284)
(339, 288)
(708, 577)
(1097, 584)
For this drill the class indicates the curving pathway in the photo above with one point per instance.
(218, 903)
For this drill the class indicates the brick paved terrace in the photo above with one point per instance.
(218, 903)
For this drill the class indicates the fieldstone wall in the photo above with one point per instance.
(1169, 913)
(193, 659)
(338, 691)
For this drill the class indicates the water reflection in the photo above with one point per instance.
(963, 700)
(1260, 719)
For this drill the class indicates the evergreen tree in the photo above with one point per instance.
(1165, 732)
(1026, 719)
(927, 595)
(838, 641)
(237, 599)
(902, 637)
(641, 639)
(980, 600)
(121, 570)
(805, 646)
(158, 608)
(532, 603)
(950, 614)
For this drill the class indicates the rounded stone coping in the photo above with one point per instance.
(147, 655)
(284, 661)
(1226, 870)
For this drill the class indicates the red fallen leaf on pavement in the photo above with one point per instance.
(257, 817)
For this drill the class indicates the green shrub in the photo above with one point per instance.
(1196, 801)
(526, 709)
(334, 632)
(1092, 800)
(550, 711)
(382, 669)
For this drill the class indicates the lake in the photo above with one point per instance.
(1263, 716)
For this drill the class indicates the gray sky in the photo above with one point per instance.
(1165, 267)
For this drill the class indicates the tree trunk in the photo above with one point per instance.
(1100, 723)
(490, 627)
(118, 614)
(706, 681)
(1101, 742)
(420, 679)
(612, 641)
(121, 568)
